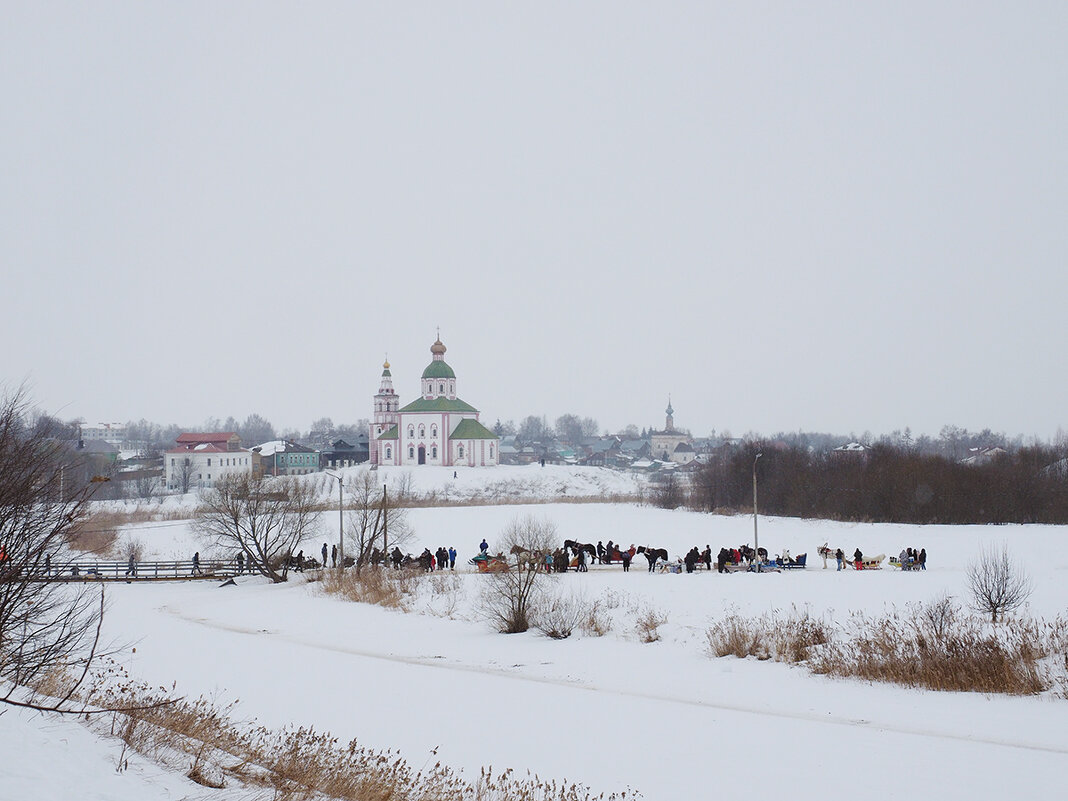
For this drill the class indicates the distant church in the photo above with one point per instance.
(438, 428)
(670, 445)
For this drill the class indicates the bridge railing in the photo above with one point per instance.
(79, 569)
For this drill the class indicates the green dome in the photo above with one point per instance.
(438, 369)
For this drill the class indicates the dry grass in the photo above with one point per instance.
(202, 739)
(561, 614)
(648, 625)
(596, 622)
(929, 646)
(393, 589)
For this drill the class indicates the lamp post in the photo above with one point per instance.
(756, 542)
(340, 516)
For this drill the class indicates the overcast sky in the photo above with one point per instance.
(821, 216)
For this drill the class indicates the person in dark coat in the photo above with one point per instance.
(626, 561)
(839, 557)
(324, 552)
(240, 562)
(690, 559)
(333, 556)
(921, 560)
(196, 565)
(300, 561)
(582, 561)
(483, 546)
(600, 552)
(131, 567)
(48, 564)
(858, 558)
(707, 557)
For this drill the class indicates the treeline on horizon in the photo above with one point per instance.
(885, 483)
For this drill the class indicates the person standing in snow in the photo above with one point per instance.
(325, 551)
(131, 567)
(240, 562)
(300, 561)
(196, 565)
(839, 557)
(333, 556)
(452, 558)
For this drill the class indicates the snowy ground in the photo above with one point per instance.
(611, 712)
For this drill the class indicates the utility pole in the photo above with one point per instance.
(756, 542)
(385, 522)
(341, 522)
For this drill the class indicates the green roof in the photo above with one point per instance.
(438, 405)
(438, 369)
(393, 433)
(472, 429)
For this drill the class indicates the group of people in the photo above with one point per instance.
(911, 559)
(441, 559)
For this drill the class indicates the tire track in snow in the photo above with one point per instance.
(437, 664)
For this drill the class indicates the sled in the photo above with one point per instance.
(869, 562)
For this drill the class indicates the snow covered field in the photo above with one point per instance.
(612, 712)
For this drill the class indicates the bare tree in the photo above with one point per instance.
(510, 600)
(375, 512)
(997, 583)
(182, 475)
(45, 626)
(263, 518)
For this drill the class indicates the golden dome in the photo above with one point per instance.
(437, 348)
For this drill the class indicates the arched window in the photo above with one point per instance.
(411, 431)
(491, 451)
(434, 452)
(389, 452)
(422, 431)
(411, 452)
(460, 451)
(433, 430)
(441, 388)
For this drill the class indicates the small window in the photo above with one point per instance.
(209, 464)
(411, 452)
(441, 388)
(389, 453)
(434, 452)
(491, 451)
(460, 451)
(411, 431)
(433, 431)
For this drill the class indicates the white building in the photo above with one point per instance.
(200, 460)
(438, 428)
(111, 433)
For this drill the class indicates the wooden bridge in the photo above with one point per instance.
(184, 570)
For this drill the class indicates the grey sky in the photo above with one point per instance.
(829, 216)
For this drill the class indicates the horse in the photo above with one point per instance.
(582, 546)
(652, 554)
(524, 557)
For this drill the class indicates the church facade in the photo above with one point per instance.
(436, 429)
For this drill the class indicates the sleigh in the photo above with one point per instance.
(869, 562)
(485, 563)
(797, 563)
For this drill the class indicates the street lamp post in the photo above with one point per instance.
(340, 516)
(756, 542)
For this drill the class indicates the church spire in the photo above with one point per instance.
(670, 425)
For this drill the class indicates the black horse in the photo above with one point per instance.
(653, 554)
(581, 546)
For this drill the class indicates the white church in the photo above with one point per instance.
(438, 428)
